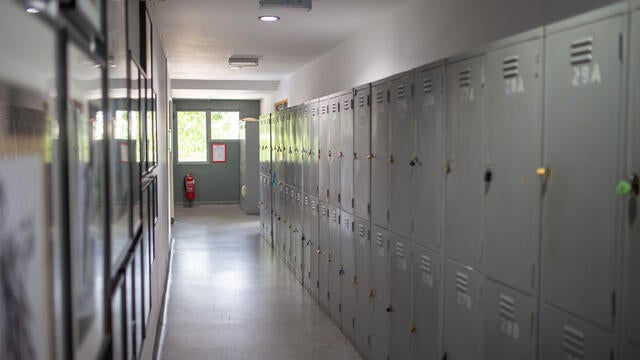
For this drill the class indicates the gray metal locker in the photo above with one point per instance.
(631, 312)
(298, 250)
(380, 153)
(464, 180)
(347, 274)
(513, 123)
(584, 96)
(306, 148)
(334, 263)
(314, 152)
(300, 129)
(402, 156)
(463, 313)
(400, 307)
(509, 320)
(362, 152)
(307, 244)
(429, 177)
(563, 336)
(379, 295)
(427, 304)
(311, 235)
(323, 257)
(324, 127)
(346, 153)
(334, 151)
(362, 237)
(630, 352)
(250, 166)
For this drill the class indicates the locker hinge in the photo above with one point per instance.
(338, 107)
(369, 340)
(352, 104)
(388, 215)
(621, 47)
(353, 203)
(328, 295)
(412, 90)
(388, 95)
(317, 284)
(353, 323)
(369, 209)
(340, 308)
(339, 219)
(613, 304)
(369, 234)
(368, 100)
(352, 227)
(340, 198)
(612, 355)
(533, 275)
(441, 83)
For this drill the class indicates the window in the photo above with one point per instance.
(225, 125)
(192, 136)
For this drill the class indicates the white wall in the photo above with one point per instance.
(418, 33)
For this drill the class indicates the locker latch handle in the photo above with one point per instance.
(389, 308)
(318, 251)
(370, 156)
(329, 154)
(415, 162)
(488, 175)
(340, 155)
(412, 329)
(354, 280)
(447, 168)
(341, 271)
(372, 293)
(630, 186)
(391, 161)
(355, 156)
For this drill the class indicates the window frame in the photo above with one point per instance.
(210, 137)
(177, 138)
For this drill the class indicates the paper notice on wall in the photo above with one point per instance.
(219, 152)
(24, 299)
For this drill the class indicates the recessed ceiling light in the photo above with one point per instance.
(269, 18)
(33, 10)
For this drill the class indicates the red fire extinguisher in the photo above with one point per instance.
(190, 187)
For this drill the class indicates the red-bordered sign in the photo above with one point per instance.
(219, 153)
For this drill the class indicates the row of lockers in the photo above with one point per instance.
(497, 191)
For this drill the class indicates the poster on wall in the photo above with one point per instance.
(24, 298)
(219, 153)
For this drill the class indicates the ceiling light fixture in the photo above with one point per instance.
(269, 18)
(239, 62)
(33, 10)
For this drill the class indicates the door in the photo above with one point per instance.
(427, 303)
(563, 336)
(311, 230)
(334, 152)
(401, 321)
(462, 317)
(314, 151)
(509, 323)
(429, 110)
(513, 113)
(307, 244)
(323, 257)
(361, 152)
(402, 157)
(379, 295)
(464, 185)
(362, 235)
(334, 265)
(380, 155)
(584, 94)
(306, 148)
(324, 143)
(346, 152)
(347, 274)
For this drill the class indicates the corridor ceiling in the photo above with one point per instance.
(200, 35)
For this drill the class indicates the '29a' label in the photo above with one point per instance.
(588, 74)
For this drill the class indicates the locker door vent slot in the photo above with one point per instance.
(573, 342)
(361, 101)
(462, 283)
(401, 92)
(464, 79)
(346, 104)
(380, 97)
(507, 307)
(427, 86)
(334, 107)
(379, 240)
(400, 249)
(324, 110)
(425, 264)
(361, 230)
(582, 51)
(314, 111)
(510, 67)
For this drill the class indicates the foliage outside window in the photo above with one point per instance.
(122, 125)
(225, 125)
(192, 136)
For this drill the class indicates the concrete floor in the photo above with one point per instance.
(230, 298)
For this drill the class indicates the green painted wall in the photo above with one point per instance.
(215, 182)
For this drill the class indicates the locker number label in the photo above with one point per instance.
(467, 94)
(464, 300)
(380, 250)
(510, 328)
(402, 264)
(588, 74)
(514, 86)
(427, 278)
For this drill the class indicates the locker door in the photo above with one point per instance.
(334, 264)
(323, 257)
(563, 336)
(401, 156)
(306, 148)
(314, 244)
(348, 271)
(464, 185)
(631, 352)
(462, 317)
(334, 152)
(427, 302)
(361, 153)
(346, 153)
(324, 127)
(509, 319)
(362, 281)
(380, 151)
(400, 303)
(314, 151)
(584, 77)
(513, 113)
(380, 302)
(306, 242)
(429, 211)
(298, 244)
(632, 246)
(299, 129)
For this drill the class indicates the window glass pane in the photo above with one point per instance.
(192, 136)
(225, 125)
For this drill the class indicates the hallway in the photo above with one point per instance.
(231, 298)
